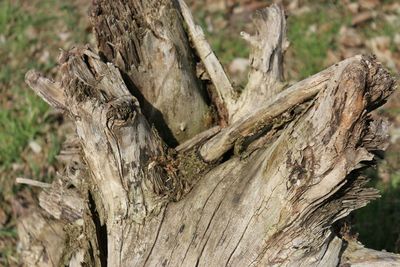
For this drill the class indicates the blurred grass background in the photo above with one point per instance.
(31, 34)
(320, 34)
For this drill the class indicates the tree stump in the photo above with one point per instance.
(167, 169)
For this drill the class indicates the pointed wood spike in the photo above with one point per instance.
(47, 89)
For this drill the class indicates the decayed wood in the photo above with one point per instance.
(357, 255)
(198, 139)
(264, 115)
(130, 181)
(48, 90)
(146, 40)
(52, 235)
(41, 239)
(133, 201)
(276, 206)
(61, 202)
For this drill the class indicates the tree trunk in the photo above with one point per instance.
(168, 170)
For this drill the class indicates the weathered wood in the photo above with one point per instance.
(226, 97)
(27, 181)
(356, 255)
(146, 40)
(135, 201)
(41, 239)
(266, 58)
(130, 181)
(47, 89)
(266, 61)
(52, 235)
(264, 115)
(61, 202)
(276, 206)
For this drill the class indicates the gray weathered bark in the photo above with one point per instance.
(265, 187)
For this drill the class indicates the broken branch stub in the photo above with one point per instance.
(226, 96)
(47, 89)
(266, 60)
(124, 155)
(147, 42)
(115, 136)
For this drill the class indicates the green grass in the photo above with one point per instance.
(8, 232)
(22, 115)
(384, 28)
(54, 149)
(228, 51)
(226, 44)
(310, 47)
(19, 119)
(14, 23)
(27, 29)
(20, 125)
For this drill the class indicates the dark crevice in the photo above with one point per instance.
(201, 252)
(342, 230)
(227, 156)
(342, 250)
(153, 115)
(85, 59)
(101, 232)
(240, 240)
(91, 253)
(156, 239)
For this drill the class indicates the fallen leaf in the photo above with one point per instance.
(362, 17)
